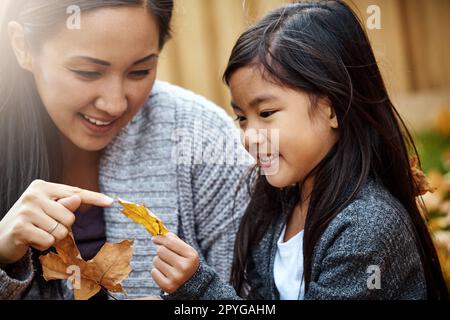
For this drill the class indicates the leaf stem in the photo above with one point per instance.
(109, 294)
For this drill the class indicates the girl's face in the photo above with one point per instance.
(92, 81)
(304, 136)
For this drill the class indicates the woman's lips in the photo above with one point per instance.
(96, 125)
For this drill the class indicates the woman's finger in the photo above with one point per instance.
(58, 191)
(49, 225)
(59, 212)
(39, 239)
(72, 203)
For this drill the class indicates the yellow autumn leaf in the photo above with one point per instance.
(142, 215)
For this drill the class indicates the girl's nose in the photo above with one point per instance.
(254, 139)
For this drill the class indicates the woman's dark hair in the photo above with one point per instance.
(322, 49)
(29, 139)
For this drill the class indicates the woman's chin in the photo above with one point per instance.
(92, 145)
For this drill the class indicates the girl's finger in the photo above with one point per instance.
(173, 243)
(169, 257)
(160, 279)
(167, 270)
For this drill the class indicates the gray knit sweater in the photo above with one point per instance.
(181, 156)
(371, 237)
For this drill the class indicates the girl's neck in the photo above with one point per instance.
(296, 221)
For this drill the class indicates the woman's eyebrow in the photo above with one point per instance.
(106, 63)
(147, 58)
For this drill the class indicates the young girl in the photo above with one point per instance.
(337, 218)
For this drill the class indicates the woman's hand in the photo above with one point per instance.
(42, 216)
(175, 262)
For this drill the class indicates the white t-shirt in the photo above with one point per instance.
(288, 267)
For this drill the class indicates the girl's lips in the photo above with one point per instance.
(265, 162)
(96, 128)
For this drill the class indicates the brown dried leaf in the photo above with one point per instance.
(107, 269)
(421, 181)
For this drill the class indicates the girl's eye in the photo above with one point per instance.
(87, 74)
(140, 73)
(266, 114)
(240, 118)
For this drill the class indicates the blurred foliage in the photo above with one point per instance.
(434, 151)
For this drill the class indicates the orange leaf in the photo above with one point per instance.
(420, 179)
(143, 216)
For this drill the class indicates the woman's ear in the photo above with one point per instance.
(19, 45)
(333, 118)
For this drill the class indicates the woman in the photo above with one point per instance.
(82, 116)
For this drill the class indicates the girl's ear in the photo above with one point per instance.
(333, 118)
(19, 45)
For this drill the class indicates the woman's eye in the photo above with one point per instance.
(87, 74)
(140, 73)
(266, 114)
(240, 118)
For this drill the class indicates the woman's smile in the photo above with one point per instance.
(96, 125)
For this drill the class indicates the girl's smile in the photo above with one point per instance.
(286, 139)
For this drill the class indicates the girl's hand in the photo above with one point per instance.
(42, 216)
(175, 262)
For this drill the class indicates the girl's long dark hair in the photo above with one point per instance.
(29, 140)
(321, 48)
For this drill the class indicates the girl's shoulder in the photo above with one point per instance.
(372, 238)
(373, 221)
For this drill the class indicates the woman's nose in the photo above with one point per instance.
(113, 101)
(115, 107)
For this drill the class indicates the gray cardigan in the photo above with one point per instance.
(181, 156)
(374, 230)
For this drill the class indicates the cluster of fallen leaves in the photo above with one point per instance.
(108, 268)
(438, 210)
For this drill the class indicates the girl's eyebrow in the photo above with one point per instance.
(106, 63)
(261, 99)
(235, 106)
(256, 101)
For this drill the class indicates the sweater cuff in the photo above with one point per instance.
(16, 277)
(194, 288)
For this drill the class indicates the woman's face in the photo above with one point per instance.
(286, 137)
(92, 81)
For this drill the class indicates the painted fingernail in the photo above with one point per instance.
(108, 200)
